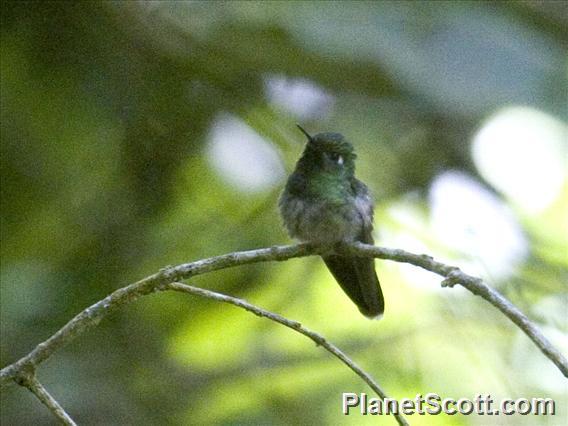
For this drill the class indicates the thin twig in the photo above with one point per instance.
(318, 339)
(94, 313)
(32, 383)
(453, 276)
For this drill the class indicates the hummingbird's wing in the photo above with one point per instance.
(356, 275)
(358, 279)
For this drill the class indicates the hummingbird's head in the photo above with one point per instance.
(329, 152)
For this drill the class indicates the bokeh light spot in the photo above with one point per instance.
(523, 153)
(243, 157)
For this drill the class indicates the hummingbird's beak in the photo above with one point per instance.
(304, 132)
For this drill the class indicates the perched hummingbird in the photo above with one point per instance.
(324, 202)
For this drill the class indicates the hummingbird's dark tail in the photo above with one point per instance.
(358, 279)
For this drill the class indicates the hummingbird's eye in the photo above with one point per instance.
(336, 158)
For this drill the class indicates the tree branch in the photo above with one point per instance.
(167, 278)
(453, 276)
(31, 382)
(92, 315)
(318, 339)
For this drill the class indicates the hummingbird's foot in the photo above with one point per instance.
(323, 248)
(341, 247)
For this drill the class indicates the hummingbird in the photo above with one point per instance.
(323, 202)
